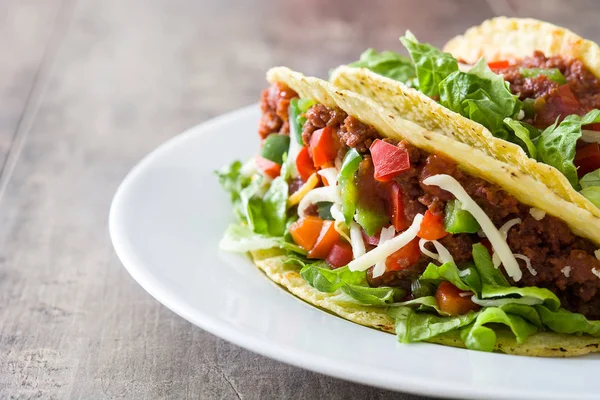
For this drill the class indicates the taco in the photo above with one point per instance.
(366, 214)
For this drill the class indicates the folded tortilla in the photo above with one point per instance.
(531, 182)
(473, 160)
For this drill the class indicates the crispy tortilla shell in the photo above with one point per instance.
(544, 344)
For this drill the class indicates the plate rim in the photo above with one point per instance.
(417, 385)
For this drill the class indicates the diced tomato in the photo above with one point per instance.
(304, 164)
(405, 257)
(340, 254)
(449, 300)
(389, 160)
(587, 151)
(558, 105)
(372, 240)
(327, 238)
(396, 208)
(498, 64)
(432, 227)
(592, 127)
(268, 167)
(323, 147)
(306, 231)
(587, 159)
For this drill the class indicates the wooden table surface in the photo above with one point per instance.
(89, 87)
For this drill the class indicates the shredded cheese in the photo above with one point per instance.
(324, 193)
(465, 294)
(443, 255)
(464, 272)
(566, 271)
(499, 244)
(597, 254)
(596, 272)
(504, 232)
(386, 249)
(521, 115)
(330, 175)
(385, 235)
(527, 263)
(356, 240)
(310, 184)
(537, 214)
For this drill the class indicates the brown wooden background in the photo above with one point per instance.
(86, 89)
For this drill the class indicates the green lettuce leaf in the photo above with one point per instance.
(556, 145)
(481, 96)
(445, 272)
(431, 64)
(413, 326)
(590, 179)
(482, 338)
(352, 283)
(528, 313)
(275, 206)
(530, 294)
(524, 133)
(592, 193)
(240, 239)
(563, 321)
(233, 181)
(483, 262)
(387, 63)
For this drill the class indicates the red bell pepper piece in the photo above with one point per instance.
(405, 257)
(268, 167)
(432, 226)
(389, 160)
(449, 300)
(304, 164)
(396, 208)
(327, 238)
(323, 147)
(340, 254)
(498, 64)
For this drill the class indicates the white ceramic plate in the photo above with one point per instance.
(165, 222)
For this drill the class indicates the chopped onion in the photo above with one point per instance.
(325, 193)
(527, 263)
(537, 214)
(596, 272)
(464, 272)
(589, 136)
(566, 271)
(385, 235)
(356, 240)
(597, 254)
(386, 249)
(448, 183)
(443, 255)
(330, 174)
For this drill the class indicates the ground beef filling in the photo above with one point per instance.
(548, 243)
(583, 84)
(274, 104)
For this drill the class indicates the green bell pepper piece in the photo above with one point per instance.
(347, 182)
(553, 74)
(296, 109)
(458, 220)
(274, 147)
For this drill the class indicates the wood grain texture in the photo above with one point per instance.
(100, 84)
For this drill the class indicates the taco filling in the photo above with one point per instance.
(387, 224)
(549, 106)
